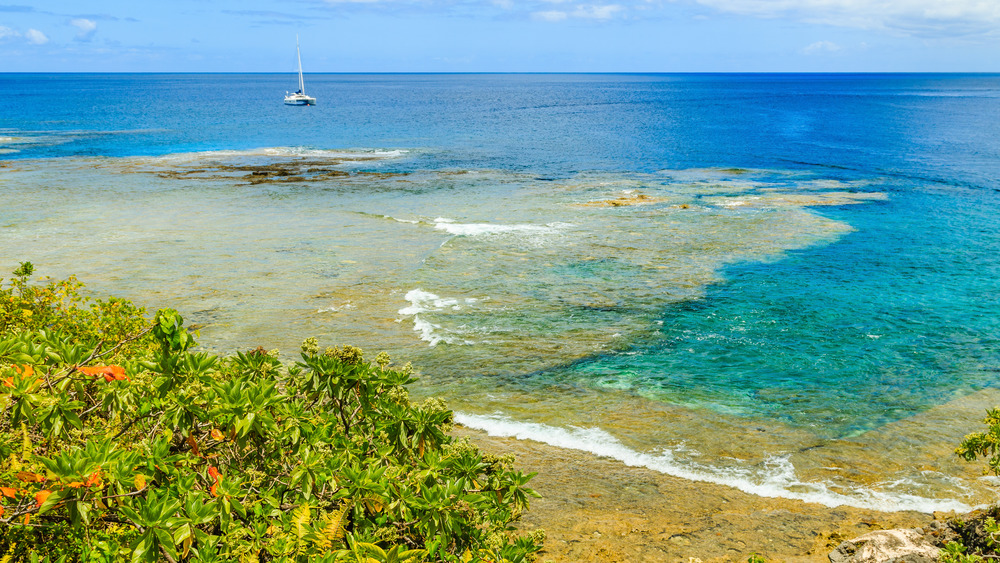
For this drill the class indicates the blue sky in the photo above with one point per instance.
(501, 35)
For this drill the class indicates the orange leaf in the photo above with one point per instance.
(194, 446)
(27, 518)
(29, 477)
(8, 492)
(212, 490)
(110, 373)
(40, 496)
(25, 370)
(217, 435)
(1, 510)
(139, 481)
(9, 382)
(74, 485)
(94, 479)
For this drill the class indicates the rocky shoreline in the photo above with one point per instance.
(595, 509)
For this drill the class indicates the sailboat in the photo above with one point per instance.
(299, 98)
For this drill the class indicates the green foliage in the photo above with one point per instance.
(978, 538)
(984, 444)
(58, 306)
(980, 535)
(954, 552)
(119, 441)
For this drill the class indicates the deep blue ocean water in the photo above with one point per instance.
(893, 318)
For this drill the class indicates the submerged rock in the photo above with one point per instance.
(887, 546)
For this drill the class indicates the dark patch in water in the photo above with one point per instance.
(307, 170)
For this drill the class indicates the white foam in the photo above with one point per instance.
(776, 479)
(480, 229)
(425, 302)
(338, 308)
(743, 202)
(398, 220)
(359, 154)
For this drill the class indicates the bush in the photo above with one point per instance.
(978, 536)
(121, 442)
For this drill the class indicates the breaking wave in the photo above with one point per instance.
(776, 479)
(424, 302)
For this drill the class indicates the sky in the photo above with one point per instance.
(501, 35)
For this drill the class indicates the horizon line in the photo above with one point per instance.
(517, 72)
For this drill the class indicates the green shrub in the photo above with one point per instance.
(981, 534)
(119, 441)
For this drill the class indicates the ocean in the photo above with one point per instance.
(783, 283)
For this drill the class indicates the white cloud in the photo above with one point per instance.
(597, 12)
(550, 16)
(36, 37)
(6, 32)
(87, 28)
(821, 47)
(582, 11)
(912, 17)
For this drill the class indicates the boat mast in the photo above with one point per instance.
(298, 53)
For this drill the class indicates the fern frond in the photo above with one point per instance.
(300, 520)
(331, 531)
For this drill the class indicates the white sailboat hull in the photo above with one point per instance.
(299, 100)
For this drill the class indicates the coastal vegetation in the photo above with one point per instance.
(119, 440)
(978, 537)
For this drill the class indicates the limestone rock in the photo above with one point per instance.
(886, 546)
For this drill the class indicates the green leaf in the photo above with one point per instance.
(142, 547)
(53, 499)
(182, 533)
(166, 542)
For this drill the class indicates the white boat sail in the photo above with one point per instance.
(299, 98)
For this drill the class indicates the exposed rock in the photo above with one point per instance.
(625, 201)
(283, 171)
(886, 546)
(939, 532)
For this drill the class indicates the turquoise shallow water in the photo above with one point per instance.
(837, 337)
(783, 283)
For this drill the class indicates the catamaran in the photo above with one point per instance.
(299, 98)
